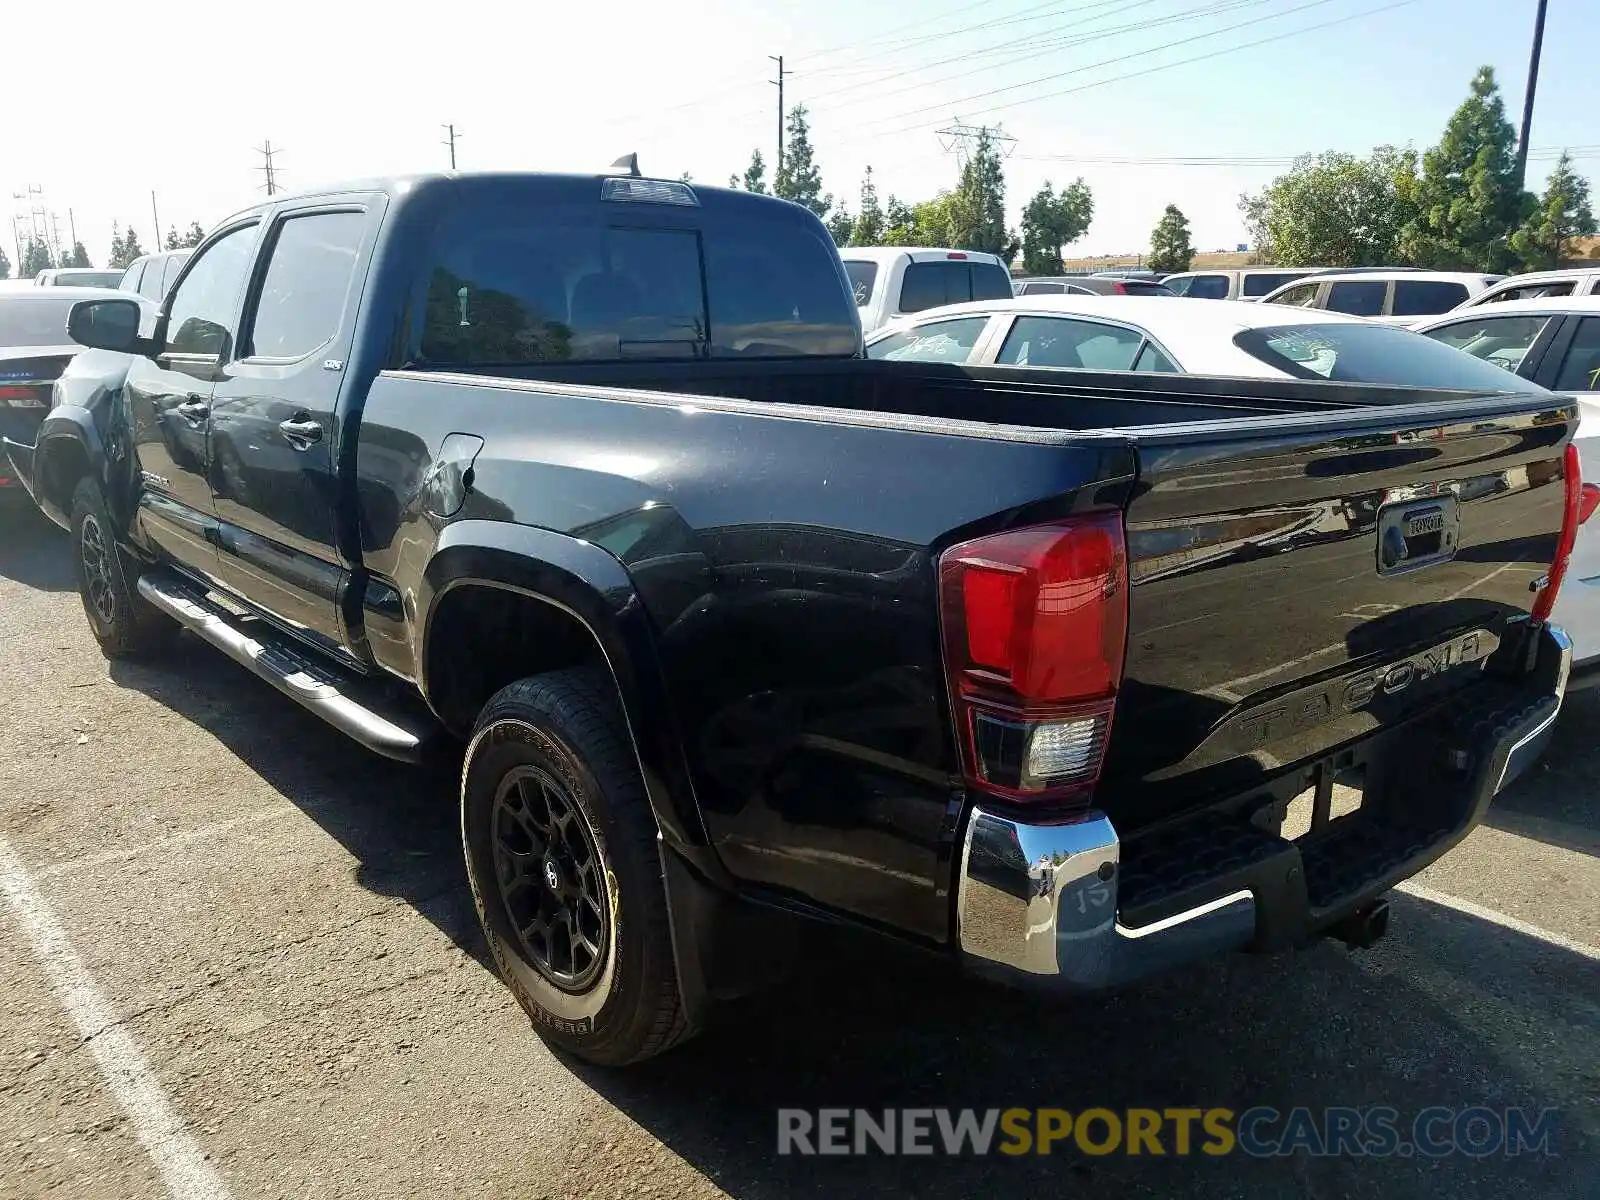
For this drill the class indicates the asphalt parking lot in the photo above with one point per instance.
(269, 932)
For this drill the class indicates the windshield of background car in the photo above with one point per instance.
(517, 279)
(34, 323)
(1372, 353)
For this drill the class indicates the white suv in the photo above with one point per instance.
(895, 281)
(1541, 285)
(1396, 297)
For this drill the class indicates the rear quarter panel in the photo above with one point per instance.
(786, 565)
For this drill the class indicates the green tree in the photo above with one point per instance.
(798, 179)
(1051, 221)
(35, 258)
(172, 238)
(755, 175)
(899, 223)
(869, 226)
(1170, 248)
(124, 248)
(1549, 237)
(193, 237)
(839, 224)
(78, 258)
(978, 205)
(1334, 210)
(1469, 200)
(5, 266)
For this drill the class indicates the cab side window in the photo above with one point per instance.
(202, 313)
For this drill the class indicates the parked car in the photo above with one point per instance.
(1540, 285)
(891, 281)
(1143, 334)
(1087, 285)
(740, 628)
(152, 275)
(1394, 297)
(34, 347)
(77, 277)
(1553, 341)
(1245, 283)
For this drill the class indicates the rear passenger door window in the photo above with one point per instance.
(1425, 297)
(150, 282)
(1531, 291)
(1503, 341)
(1151, 359)
(1580, 370)
(1304, 296)
(936, 341)
(1359, 298)
(302, 299)
(1075, 345)
(1208, 287)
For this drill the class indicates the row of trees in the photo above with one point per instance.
(37, 255)
(969, 216)
(1461, 207)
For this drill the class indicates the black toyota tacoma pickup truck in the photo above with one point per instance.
(740, 628)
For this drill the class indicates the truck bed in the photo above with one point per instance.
(782, 523)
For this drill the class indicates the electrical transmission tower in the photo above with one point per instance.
(268, 167)
(960, 139)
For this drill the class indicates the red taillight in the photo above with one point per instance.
(1588, 501)
(1572, 515)
(1120, 289)
(1035, 622)
(955, 254)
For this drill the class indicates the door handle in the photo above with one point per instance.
(301, 433)
(194, 410)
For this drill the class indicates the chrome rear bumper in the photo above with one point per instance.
(1040, 901)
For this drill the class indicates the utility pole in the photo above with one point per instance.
(1527, 102)
(72, 228)
(266, 151)
(154, 216)
(778, 58)
(451, 134)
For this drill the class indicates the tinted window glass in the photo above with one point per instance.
(1424, 297)
(308, 277)
(1259, 283)
(81, 278)
(990, 281)
(34, 322)
(930, 284)
(1531, 291)
(170, 271)
(1057, 342)
(1580, 372)
(937, 341)
(1304, 296)
(1503, 341)
(505, 288)
(1151, 359)
(1135, 287)
(1371, 353)
(862, 276)
(130, 277)
(1363, 299)
(1043, 289)
(1207, 287)
(150, 281)
(201, 314)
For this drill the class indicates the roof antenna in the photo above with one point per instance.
(628, 164)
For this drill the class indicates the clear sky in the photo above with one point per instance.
(174, 95)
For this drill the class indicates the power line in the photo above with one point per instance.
(1054, 75)
(1147, 71)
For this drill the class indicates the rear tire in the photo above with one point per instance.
(565, 869)
(122, 621)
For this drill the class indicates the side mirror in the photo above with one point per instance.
(107, 325)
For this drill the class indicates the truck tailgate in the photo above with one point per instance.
(1299, 582)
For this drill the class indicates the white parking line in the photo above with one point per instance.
(1423, 892)
(183, 838)
(184, 1169)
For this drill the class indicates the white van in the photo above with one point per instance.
(893, 281)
